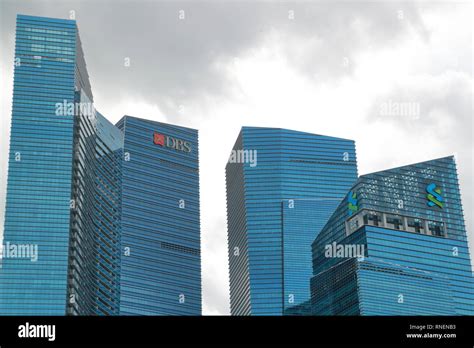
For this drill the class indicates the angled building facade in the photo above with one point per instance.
(64, 161)
(302, 219)
(415, 258)
(95, 234)
(273, 176)
(71, 187)
(161, 261)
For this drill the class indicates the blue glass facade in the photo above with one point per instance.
(302, 221)
(416, 258)
(94, 255)
(40, 167)
(269, 244)
(161, 258)
(107, 215)
(372, 286)
(63, 191)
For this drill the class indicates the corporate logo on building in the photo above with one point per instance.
(352, 202)
(158, 139)
(171, 142)
(433, 195)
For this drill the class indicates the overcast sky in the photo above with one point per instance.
(327, 67)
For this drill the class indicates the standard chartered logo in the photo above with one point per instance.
(352, 202)
(433, 196)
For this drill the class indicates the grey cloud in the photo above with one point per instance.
(333, 33)
(444, 95)
(445, 114)
(216, 291)
(173, 61)
(215, 278)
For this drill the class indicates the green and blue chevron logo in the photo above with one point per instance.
(352, 202)
(433, 196)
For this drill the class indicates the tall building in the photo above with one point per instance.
(71, 187)
(161, 260)
(273, 177)
(95, 232)
(396, 246)
(302, 219)
(60, 256)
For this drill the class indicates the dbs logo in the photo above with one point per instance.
(158, 139)
(173, 143)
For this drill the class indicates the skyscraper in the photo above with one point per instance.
(302, 219)
(95, 232)
(271, 176)
(64, 161)
(408, 227)
(64, 242)
(161, 260)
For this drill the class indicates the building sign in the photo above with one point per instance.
(173, 143)
(158, 139)
(352, 202)
(433, 196)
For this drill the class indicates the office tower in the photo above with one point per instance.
(161, 259)
(94, 254)
(302, 219)
(273, 177)
(63, 191)
(396, 246)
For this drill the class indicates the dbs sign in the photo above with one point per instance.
(171, 142)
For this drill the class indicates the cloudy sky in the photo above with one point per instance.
(394, 76)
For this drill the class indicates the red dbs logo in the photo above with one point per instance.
(158, 139)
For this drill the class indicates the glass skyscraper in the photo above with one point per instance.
(94, 266)
(64, 161)
(408, 227)
(302, 221)
(161, 259)
(273, 177)
(75, 179)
